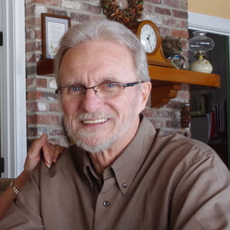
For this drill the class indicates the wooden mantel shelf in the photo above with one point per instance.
(167, 82)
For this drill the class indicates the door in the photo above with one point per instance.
(213, 127)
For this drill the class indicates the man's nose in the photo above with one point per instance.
(90, 101)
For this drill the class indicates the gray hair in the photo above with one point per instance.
(104, 30)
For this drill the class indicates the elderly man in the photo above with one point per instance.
(122, 173)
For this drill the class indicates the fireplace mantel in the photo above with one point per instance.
(167, 82)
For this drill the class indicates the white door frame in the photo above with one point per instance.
(13, 86)
(208, 23)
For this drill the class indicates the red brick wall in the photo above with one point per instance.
(43, 111)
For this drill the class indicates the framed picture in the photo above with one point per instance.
(53, 28)
(198, 105)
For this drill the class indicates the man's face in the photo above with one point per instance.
(97, 124)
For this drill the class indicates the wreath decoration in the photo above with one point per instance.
(131, 14)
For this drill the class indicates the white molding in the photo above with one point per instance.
(13, 86)
(209, 23)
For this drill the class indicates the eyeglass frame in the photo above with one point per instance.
(124, 85)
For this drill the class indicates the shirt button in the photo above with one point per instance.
(124, 185)
(106, 203)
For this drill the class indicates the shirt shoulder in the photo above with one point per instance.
(179, 144)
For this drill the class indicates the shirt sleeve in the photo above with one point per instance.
(201, 199)
(24, 213)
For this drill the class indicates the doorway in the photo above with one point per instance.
(212, 127)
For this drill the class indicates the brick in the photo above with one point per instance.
(156, 18)
(163, 11)
(36, 131)
(41, 82)
(29, 11)
(168, 131)
(58, 12)
(75, 5)
(39, 10)
(172, 3)
(157, 123)
(79, 17)
(180, 14)
(91, 8)
(149, 112)
(173, 124)
(184, 24)
(64, 141)
(180, 33)
(32, 34)
(173, 105)
(33, 46)
(43, 119)
(148, 8)
(55, 107)
(46, 2)
(38, 95)
(165, 113)
(48, 96)
(33, 22)
(172, 22)
(52, 84)
(30, 58)
(55, 141)
(164, 31)
(185, 95)
(36, 107)
(30, 70)
(57, 131)
(154, 1)
(30, 82)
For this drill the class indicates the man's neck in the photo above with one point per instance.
(103, 160)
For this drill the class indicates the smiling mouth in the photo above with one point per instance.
(96, 121)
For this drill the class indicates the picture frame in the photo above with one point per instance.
(198, 106)
(53, 28)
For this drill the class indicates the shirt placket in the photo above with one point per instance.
(105, 203)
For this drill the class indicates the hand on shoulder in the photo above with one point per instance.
(41, 148)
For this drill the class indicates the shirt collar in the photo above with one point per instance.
(129, 162)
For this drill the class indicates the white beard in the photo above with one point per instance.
(88, 140)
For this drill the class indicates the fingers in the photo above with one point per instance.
(48, 154)
(33, 155)
(51, 153)
(58, 150)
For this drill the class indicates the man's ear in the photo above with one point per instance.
(146, 90)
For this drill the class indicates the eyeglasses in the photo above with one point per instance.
(104, 90)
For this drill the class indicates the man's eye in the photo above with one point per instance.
(110, 85)
(75, 88)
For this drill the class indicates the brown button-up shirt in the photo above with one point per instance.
(158, 182)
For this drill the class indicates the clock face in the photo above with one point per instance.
(148, 38)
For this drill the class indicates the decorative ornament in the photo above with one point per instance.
(200, 44)
(172, 49)
(185, 116)
(201, 65)
(131, 14)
